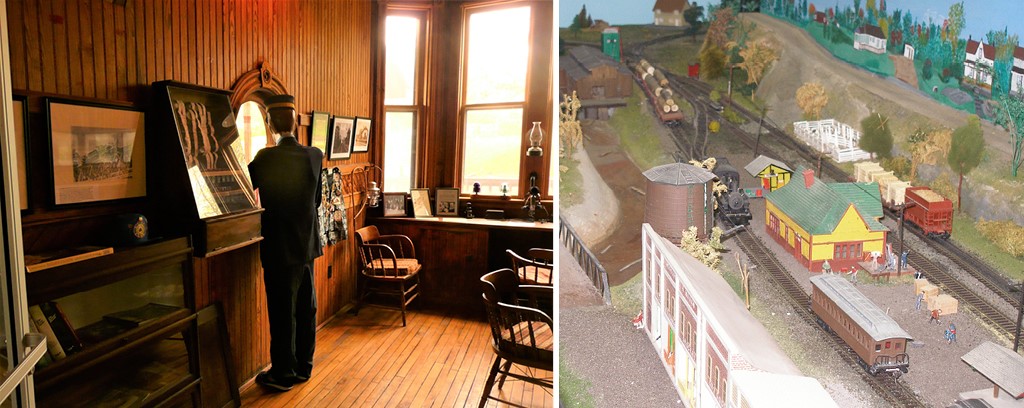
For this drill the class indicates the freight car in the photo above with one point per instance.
(733, 204)
(932, 213)
(876, 338)
(659, 94)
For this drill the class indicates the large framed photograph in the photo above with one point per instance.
(362, 135)
(421, 202)
(98, 151)
(21, 144)
(320, 129)
(394, 204)
(447, 202)
(341, 137)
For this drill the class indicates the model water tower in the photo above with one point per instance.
(610, 40)
(678, 197)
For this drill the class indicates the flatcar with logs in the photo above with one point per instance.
(733, 205)
(879, 342)
(659, 93)
(923, 208)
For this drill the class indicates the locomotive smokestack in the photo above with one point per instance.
(808, 178)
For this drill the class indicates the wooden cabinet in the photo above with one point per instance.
(456, 252)
(150, 362)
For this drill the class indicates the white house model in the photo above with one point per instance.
(670, 12)
(869, 37)
(980, 59)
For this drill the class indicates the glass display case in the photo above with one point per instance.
(194, 156)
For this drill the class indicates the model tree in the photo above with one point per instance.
(811, 98)
(570, 133)
(1011, 117)
(965, 151)
(712, 61)
(694, 17)
(876, 138)
(928, 148)
(708, 253)
(757, 57)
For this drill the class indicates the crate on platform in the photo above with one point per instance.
(946, 303)
(919, 284)
(930, 292)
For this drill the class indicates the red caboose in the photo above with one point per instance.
(930, 211)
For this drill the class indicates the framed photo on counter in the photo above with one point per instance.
(394, 204)
(447, 202)
(421, 202)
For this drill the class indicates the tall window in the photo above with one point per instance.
(402, 101)
(496, 61)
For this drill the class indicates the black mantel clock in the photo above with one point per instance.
(199, 185)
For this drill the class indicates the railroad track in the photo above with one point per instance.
(893, 391)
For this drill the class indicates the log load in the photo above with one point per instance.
(946, 303)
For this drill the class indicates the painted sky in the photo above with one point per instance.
(982, 15)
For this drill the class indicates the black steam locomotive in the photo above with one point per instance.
(733, 205)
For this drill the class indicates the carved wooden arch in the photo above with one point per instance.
(256, 85)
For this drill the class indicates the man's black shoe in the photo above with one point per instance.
(267, 380)
(299, 378)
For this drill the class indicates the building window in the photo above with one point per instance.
(402, 97)
(498, 101)
(878, 346)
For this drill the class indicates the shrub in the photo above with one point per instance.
(899, 165)
(1007, 235)
(926, 69)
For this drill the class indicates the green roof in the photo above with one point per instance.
(819, 209)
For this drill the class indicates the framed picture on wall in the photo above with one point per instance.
(98, 151)
(318, 135)
(21, 145)
(447, 201)
(394, 204)
(341, 137)
(421, 202)
(362, 135)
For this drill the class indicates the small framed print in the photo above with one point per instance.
(318, 138)
(361, 135)
(394, 204)
(447, 202)
(421, 202)
(341, 137)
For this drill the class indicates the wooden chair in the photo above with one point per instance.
(521, 330)
(537, 268)
(389, 267)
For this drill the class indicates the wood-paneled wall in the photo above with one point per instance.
(96, 50)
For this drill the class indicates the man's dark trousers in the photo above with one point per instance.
(291, 308)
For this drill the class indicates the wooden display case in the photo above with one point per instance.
(198, 182)
(149, 363)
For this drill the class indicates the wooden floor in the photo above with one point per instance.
(370, 360)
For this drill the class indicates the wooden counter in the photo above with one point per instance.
(456, 252)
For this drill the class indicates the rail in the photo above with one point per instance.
(587, 260)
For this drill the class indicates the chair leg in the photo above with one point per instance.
(490, 381)
(402, 287)
(504, 374)
(361, 292)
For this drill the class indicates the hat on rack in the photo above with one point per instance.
(280, 102)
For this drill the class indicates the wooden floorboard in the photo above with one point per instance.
(370, 360)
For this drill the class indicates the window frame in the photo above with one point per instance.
(420, 93)
(537, 101)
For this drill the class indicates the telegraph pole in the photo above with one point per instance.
(1020, 314)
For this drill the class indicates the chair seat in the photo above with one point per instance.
(530, 275)
(542, 334)
(406, 267)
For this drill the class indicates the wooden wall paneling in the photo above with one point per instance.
(32, 36)
(60, 46)
(110, 61)
(131, 49)
(16, 21)
(47, 48)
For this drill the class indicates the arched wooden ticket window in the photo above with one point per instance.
(248, 100)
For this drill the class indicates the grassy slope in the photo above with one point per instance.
(573, 391)
(637, 133)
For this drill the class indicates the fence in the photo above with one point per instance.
(587, 260)
(833, 138)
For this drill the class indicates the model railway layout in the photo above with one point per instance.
(894, 392)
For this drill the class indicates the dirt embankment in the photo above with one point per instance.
(853, 92)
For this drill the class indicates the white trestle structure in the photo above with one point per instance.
(833, 138)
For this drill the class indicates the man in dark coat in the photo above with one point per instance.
(286, 178)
